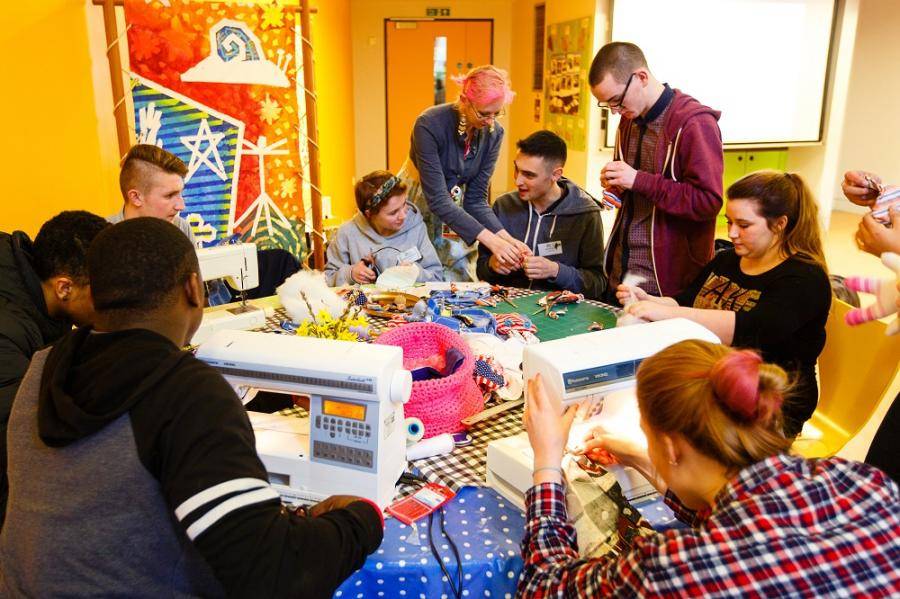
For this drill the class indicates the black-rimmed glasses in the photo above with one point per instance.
(616, 103)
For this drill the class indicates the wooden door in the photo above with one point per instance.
(411, 76)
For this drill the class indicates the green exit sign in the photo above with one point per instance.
(437, 12)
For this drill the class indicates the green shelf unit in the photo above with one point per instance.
(742, 162)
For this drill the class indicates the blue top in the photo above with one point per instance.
(437, 149)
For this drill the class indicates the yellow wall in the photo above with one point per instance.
(582, 166)
(334, 85)
(369, 77)
(63, 41)
(50, 149)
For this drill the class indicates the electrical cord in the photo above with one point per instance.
(458, 587)
(409, 478)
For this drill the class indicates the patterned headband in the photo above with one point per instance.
(383, 192)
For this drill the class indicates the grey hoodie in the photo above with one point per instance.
(573, 221)
(357, 239)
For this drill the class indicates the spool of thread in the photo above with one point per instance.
(415, 430)
(440, 445)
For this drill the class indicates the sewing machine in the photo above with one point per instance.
(353, 442)
(236, 263)
(598, 370)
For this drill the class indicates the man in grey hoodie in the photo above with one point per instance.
(387, 231)
(556, 219)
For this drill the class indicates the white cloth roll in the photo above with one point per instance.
(440, 445)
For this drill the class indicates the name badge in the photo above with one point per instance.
(410, 255)
(551, 248)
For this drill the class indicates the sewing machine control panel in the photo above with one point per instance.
(344, 432)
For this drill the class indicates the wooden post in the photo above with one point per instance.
(115, 76)
(312, 134)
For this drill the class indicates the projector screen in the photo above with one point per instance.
(762, 63)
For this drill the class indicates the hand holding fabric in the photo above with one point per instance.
(875, 238)
(618, 173)
(650, 310)
(498, 266)
(627, 294)
(861, 187)
(538, 267)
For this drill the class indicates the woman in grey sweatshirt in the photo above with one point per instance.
(386, 231)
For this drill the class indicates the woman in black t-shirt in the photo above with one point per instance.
(770, 293)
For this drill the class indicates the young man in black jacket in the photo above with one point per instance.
(43, 291)
(558, 221)
(133, 466)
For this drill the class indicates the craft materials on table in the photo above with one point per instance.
(439, 402)
(421, 503)
(577, 320)
(390, 303)
(549, 302)
(398, 277)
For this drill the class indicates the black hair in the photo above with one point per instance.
(61, 246)
(620, 59)
(544, 144)
(138, 264)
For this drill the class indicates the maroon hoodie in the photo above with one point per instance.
(687, 194)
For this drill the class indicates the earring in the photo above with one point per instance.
(463, 123)
(673, 462)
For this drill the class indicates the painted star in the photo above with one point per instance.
(272, 16)
(200, 157)
(269, 110)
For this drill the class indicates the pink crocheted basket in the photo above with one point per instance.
(439, 403)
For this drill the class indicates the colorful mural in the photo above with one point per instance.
(218, 85)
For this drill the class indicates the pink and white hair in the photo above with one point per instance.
(485, 84)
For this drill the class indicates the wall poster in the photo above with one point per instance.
(567, 60)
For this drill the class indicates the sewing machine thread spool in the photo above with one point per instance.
(415, 430)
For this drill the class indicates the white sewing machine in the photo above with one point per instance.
(354, 441)
(236, 263)
(597, 368)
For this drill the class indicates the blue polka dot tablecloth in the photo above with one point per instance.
(487, 531)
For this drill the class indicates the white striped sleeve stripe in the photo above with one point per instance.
(226, 488)
(226, 507)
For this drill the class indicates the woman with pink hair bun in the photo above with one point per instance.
(453, 152)
(760, 522)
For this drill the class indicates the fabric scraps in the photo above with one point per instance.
(488, 374)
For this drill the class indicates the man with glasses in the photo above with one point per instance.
(667, 171)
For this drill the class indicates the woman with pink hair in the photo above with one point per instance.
(453, 152)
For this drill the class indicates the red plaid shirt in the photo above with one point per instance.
(784, 527)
